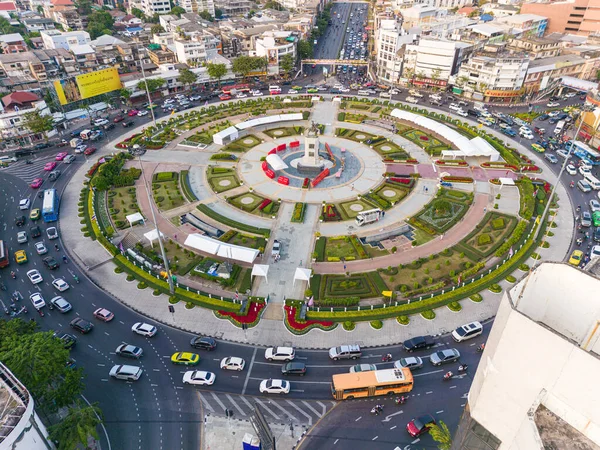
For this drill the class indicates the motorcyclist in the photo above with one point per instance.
(56, 247)
(13, 274)
(448, 375)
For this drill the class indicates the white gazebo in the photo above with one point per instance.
(223, 249)
(302, 274)
(260, 270)
(152, 236)
(506, 182)
(133, 218)
(276, 162)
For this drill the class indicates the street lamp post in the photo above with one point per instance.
(150, 104)
(138, 151)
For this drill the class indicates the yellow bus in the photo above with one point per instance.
(369, 384)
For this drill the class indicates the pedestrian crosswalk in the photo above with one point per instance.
(27, 172)
(276, 410)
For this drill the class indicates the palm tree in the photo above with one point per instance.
(441, 434)
(75, 429)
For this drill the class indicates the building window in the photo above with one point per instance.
(471, 435)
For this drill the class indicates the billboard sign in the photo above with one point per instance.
(87, 85)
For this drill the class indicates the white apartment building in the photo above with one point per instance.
(59, 39)
(536, 386)
(274, 45)
(449, 4)
(151, 7)
(197, 6)
(234, 7)
(292, 4)
(197, 48)
(390, 41)
(432, 61)
(489, 76)
(13, 109)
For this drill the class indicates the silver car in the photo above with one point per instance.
(363, 368)
(594, 205)
(444, 357)
(412, 362)
(586, 219)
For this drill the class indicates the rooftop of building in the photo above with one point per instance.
(7, 6)
(62, 2)
(486, 29)
(12, 37)
(84, 49)
(19, 98)
(561, 60)
(535, 40)
(36, 20)
(555, 433)
(518, 19)
(18, 57)
(106, 39)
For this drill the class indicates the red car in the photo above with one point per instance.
(420, 425)
(50, 166)
(225, 97)
(118, 119)
(90, 150)
(133, 112)
(35, 184)
(61, 156)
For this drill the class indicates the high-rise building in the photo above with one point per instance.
(570, 16)
(390, 40)
(197, 6)
(151, 7)
(536, 386)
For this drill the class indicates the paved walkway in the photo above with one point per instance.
(271, 332)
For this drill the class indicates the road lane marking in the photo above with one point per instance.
(389, 417)
(416, 441)
(428, 392)
(297, 381)
(301, 411)
(308, 405)
(452, 387)
(374, 438)
(324, 407)
(235, 405)
(439, 412)
(249, 370)
(250, 405)
(285, 411)
(102, 365)
(205, 402)
(359, 417)
(218, 400)
(393, 427)
(427, 373)
(265, 407)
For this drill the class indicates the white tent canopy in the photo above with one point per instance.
(506, 181)
(226, 136)
(269, 119)
(133, 218)
(260, 270)
(302, 274)
(222, 249)
(152, 236)
(276, 162)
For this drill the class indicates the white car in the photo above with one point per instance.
(80, 148)
(145, 329)
(273, 386)
(453, 107)
(256, 93)
(241, 95)
(22, 237)
(344, 90)
(233, 363)
(37, 300)
(280, 354)
(60, 284)
(199, 377)
(595, 252)
(553, 104)
(396, 92)
(412, 362)
(40, 248)
(24, 203)
(562, 153)
(571, 170)
(100, 122)
(526, 136)
(460, 112)
(584, 171)
(52, 233)
(292, 91)
(143, 113)
(571, 94)
(34, 276)
(553, 113)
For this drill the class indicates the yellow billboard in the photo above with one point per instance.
(87, 85)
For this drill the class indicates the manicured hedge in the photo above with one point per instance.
(232, 223)
(185, 186)
(320, 248)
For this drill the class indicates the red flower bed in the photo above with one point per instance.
(451, 163)
(458, 179)
(547, 187)
(301, 325)
(93, 169)
(253, 313)
(330, 211)
(305, 183)
(401, 180)
(530, 168)
(266, 202)
(424, 138)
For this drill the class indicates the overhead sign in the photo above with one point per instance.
(87, 85)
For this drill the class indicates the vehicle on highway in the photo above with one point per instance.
(185, 358)
(52, 233)
(576, 257)
(345, 352)
(280, 354)
(100, 122)
(362, 368)
(467, 331)
(20, 221)
(118, 119)
(104, 315)
(50, 166)
(551, 158)
(595, 252)
(35, 232)
(144, 329)
(584, 170)
(129, 351)
(411, 362)
(586, 219)
(538, 148)
(232, 363)
(35, 214)
(133, 112)
(34, 276)
(294, 368)
(596, 218)
(24, 204)
(444, 356)
(60, 284)
(594, 205)
(584, 186)
(20, 257)
(199, 377)
(69, 159)
(274, 386)
(128, 373)
(203, 343)
(81, 325)
(128, 123)
(562, 153)
(40, 248)
(143, 113)
(50, 262)
(37, 300)
(418, 343)
(22, 237)
(37, 183)
(553, 104)
(420, 425)
(80, 148)
(372, 383)
(68, 340)
(61, 304)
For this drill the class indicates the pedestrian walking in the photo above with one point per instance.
(484, 210)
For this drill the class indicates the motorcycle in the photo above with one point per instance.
(579, 241)
(28, 161)
(377, 409)
(462, 368)
(400, 400)
(56, 247)
(480, 348)
(572, 184)
(387, 358)
(50, 306)
(448, 376)
(64, 259)
(2, 286)
(13, 275)
(41, 313)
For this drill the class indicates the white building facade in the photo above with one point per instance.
(431, 61)
(57, 39)
(197, 49)
(275, 45)
(540, 360)
(151, 7)
(389, 43)
(197, 6)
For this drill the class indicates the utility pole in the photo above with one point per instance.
(150, 104)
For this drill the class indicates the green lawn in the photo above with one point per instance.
(386, 190)
(248, 241)
(284, 131)
(426, 141)
(246, 202)
(354, 135)
(167, 195)
(181, 260)
(348, 213)
(391, 150)
(421, 237)
(122, 202)
(242, 144)
(222, 179)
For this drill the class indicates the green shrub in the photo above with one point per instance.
(477, 298)
(119, 270)
(511, 279)
(349, 325)
(130, 277)
(403, 320)
(545, 244)
(484, 239)
(428, 314)
(156, 292)
(498, 223)
(535, 256)
(523, 267)
(376, 324)
(495, 288)
(454, 306)
(189, 305)
(142, 285)
(174, 300)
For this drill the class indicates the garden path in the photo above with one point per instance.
(458, 232)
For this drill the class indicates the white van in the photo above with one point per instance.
(559, 127)
(593, 181)
(7, 159)
(411, 99)
(364, 92)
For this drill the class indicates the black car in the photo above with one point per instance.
(24, 152)
(41, 145)
(554, 120)
(203, 343)
(472, 112)
(544, 117)
(82, 325)
(294, 368)
(35, 232)
(128, 123)
(418, 343)
(20, 221)
(109, 126)
(50, 263)
(68, 340)
(554, 98)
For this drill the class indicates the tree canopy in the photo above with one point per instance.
(216, 71)
(186, 76)
(218, 13)
(38, 123)
(156, 29)
(154, 84)
(177, 11)
(206, 16)
(305, 49)
(99, 23)
(80, 422)
(286, 64)
(243, 65)
(84, 7)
